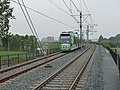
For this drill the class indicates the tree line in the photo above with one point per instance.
(8, 41)
(113, 42)
(19, 43)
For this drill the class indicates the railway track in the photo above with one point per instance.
(67, 77)
(14, 71)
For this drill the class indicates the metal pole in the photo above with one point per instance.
(8, 45)
(119, 64)
(18, 58)
(81, 30)
(117, 54)
(117, 58)
(0, 63)
(8, 60)
(87, 34)
(20, 45)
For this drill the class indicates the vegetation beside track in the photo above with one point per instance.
(10, 52)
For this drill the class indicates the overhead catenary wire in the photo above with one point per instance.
(75, 6)
(92, 20)
(85, 18)
(67, 6)
(88, 10)
(57, 6)
(81, 10)
(81, 5)
(45, 15)
(25, 17)
(70, 6)
(39, 42)
(70, 11)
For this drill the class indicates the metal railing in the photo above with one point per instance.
(13, 59)
(116, 57)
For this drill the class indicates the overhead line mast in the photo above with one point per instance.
(80, 11)
(81, 29)
(81, 34)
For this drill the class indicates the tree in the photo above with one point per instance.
(100, 39)
(5, 16)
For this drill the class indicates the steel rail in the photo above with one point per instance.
(74, 84)
(26, 63)
(31, 68)
(42, 84)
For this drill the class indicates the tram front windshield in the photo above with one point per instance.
(65, 39)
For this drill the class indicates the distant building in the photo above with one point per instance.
(44, 40)
(48, 39)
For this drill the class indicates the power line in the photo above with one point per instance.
(28, 21)
(70, 10)
(25, 16)
(67, 6)
(81, 10)
(79, 22)
(88, 10)
(53, 3)
(39, 43)
(75, 6)
(81, 5)
(45, 15)
(85, 18)
(92, 25)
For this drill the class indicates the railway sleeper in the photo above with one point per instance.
(48, 88)
(67, 83)
(63, 80)
(66, 77)
(57, 85)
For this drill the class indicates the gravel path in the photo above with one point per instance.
(95, 80)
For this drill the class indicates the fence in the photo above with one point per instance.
(115, 56)
(13, 59)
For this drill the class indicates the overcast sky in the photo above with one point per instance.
(106, 15)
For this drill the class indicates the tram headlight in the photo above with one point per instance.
(64, 46)
(67, 46)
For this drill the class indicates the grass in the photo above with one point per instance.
(117, 49)
(10, 52)
(53, 45)
(15, 57)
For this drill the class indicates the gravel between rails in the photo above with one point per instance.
(95, 79)
(27, 66)
(28, 80)
(64, 79)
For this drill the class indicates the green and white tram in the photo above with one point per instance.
(69, 41)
